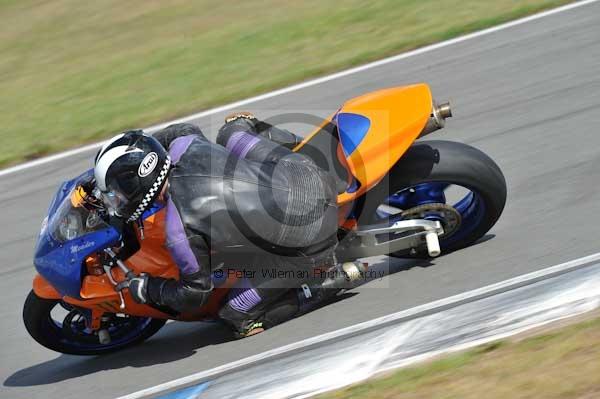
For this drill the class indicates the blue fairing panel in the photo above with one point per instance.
(352, 130)
(155, 208)
(62, 263)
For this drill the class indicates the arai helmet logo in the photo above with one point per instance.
(148, 164)
(85, 245)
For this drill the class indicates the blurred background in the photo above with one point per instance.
(74, 71)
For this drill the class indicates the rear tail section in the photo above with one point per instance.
(369, 134)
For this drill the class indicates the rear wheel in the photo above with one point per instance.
(62, 328)
(453, 183)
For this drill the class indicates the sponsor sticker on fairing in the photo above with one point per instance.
(81, 247)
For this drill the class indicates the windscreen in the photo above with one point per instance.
(73, 219)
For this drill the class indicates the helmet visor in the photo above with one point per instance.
(115, 202)
(122, 193)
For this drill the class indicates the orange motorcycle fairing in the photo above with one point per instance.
(44, 289)
(375, 130)
(154, 257)
(111, 304)
(98, 294)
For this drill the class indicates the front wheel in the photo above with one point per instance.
(62, 328)
(450, 182)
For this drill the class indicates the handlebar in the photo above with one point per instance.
(129, 274)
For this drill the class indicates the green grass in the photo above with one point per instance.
(561, 364)
(75, 71)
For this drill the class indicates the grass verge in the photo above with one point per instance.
(557, 364)
(72, 72)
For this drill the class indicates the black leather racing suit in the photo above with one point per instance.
(248, 204)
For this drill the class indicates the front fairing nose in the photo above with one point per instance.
(51, 262)
(61, 249)
(50, 257)
(62, 263)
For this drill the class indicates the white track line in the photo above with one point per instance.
(402, 315)
(310, 83)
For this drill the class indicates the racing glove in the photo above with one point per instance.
(146, 289)
(138, 288)
(186, 294)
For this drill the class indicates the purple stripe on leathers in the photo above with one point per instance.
(177, 241)
(244, 298)
(179, 146)
(240, 143)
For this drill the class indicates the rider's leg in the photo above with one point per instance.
(272, 276)
(243, 139)
(246, 306)
(309, 214)
(261, 303)
(310, 221)
(263, 316)
(246, 122)
(250, 310)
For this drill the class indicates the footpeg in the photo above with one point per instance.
(433, 244)
(354, 270)
(402, 235)
(104, 336)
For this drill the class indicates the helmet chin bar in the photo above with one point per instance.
(153, 192)
(112, 202)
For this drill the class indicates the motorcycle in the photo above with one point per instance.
(401, 197)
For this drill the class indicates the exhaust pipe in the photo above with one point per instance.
(437, 121)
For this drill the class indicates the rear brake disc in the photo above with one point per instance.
(447, 215)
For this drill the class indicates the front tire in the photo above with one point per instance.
(37, 316)
(430, 167)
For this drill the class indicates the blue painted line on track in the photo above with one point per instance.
(192, 392)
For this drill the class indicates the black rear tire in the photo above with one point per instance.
(41, 327)
(445, 161)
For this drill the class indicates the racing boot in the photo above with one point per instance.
(249, 328)
(339, 278)
(247, 122)
(261, 316)
(276, 313)
(250, 310)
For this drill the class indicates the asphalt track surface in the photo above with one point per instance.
(529, 96)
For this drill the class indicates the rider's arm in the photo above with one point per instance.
(187, 294)
(194, 286)
(191, 253)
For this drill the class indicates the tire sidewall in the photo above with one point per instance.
(452, 162)
(36, 317)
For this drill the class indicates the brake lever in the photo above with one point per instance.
(107, 270)
(128, 272)
(122, 285)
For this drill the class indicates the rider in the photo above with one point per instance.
(247, 200)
